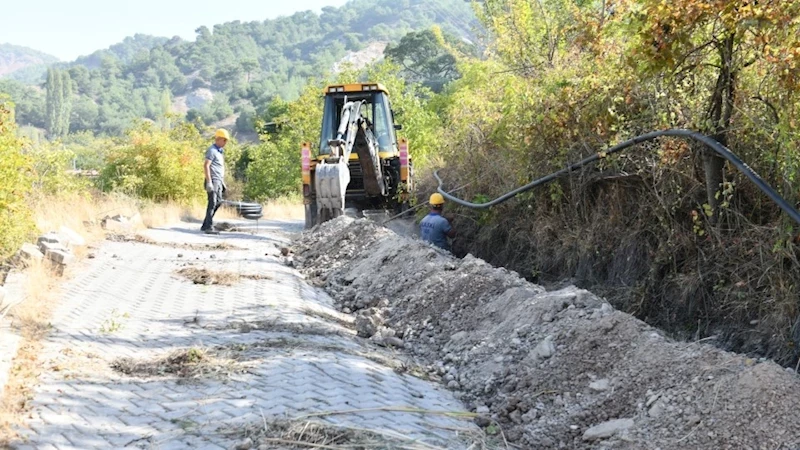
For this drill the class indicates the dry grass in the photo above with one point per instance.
(220, 246)
(285, 208)
(314, 434)
(222, 278)
(191, 363)
(31, 319)
(302, 433)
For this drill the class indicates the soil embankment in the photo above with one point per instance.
(560, 369)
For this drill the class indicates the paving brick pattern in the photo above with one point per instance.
(129, 302)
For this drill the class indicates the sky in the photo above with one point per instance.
(68, 29)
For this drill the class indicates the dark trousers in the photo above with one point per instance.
(214, 202)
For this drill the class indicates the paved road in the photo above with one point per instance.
(294, 354)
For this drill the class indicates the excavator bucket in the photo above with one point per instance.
(331, 183)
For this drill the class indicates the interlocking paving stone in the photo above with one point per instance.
(129, 302)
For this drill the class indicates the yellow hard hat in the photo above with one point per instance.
(436, 199)
(222, 133)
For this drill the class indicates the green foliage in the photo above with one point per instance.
(157, 164)
(427, 57)
(564, 79)
(16, 224)
(274, 165)
(59, 102)
(243, 63)
(29, 102)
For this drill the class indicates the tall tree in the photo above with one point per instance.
(66, 103)
(55, 99)
(427, 57)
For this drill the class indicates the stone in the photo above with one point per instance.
(607, 429)
(483, 409)
(62, 257)
(482, 421)
(545, 349)
(453, 385)
(51, 238)
(30, 252)
(114, 225)
(368, 323)
(70, 237)
(599, 385)
(394, 342)
(46, 246)
(657, 410)
(246, 444)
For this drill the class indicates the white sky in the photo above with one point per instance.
(68, 29)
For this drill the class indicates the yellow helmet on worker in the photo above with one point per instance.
(222, 133)
(436, 199)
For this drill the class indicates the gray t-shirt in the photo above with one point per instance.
(434, 229)
(217, 158)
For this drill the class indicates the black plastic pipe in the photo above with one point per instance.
(709, 142)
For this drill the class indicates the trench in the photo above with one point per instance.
(640, 275)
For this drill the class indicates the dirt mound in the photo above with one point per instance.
(559, 369)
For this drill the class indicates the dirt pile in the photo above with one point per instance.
(558, 369)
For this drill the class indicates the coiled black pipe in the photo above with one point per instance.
(711, 143)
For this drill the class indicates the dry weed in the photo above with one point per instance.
(284, 208)
(222, 278)
(188, 363)
(220, 246)
(31, 319)
(313, 434)
(304, 434)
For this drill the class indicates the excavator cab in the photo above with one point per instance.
(359, 163)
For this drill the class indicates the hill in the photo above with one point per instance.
(236, 68)
(23, 63)
(124, 51)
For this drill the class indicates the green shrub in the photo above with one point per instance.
(51, 170)
(157, 164)
(16, 224)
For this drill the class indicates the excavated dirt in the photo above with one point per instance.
(559, 369)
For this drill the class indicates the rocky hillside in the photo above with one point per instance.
(23, 63)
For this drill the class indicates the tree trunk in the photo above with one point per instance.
(719, 114)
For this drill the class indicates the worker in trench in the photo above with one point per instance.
(435, 228)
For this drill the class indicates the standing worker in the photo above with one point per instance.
(436, 228)
(214, 169)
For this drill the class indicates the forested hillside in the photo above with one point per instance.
(234, 68)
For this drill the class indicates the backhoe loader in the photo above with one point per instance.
(359, 163)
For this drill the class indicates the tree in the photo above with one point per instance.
(717, 41)
(16, 224)
(248, 66)
(426, 57)
(55, 97)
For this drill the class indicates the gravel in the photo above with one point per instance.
(559, 369)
